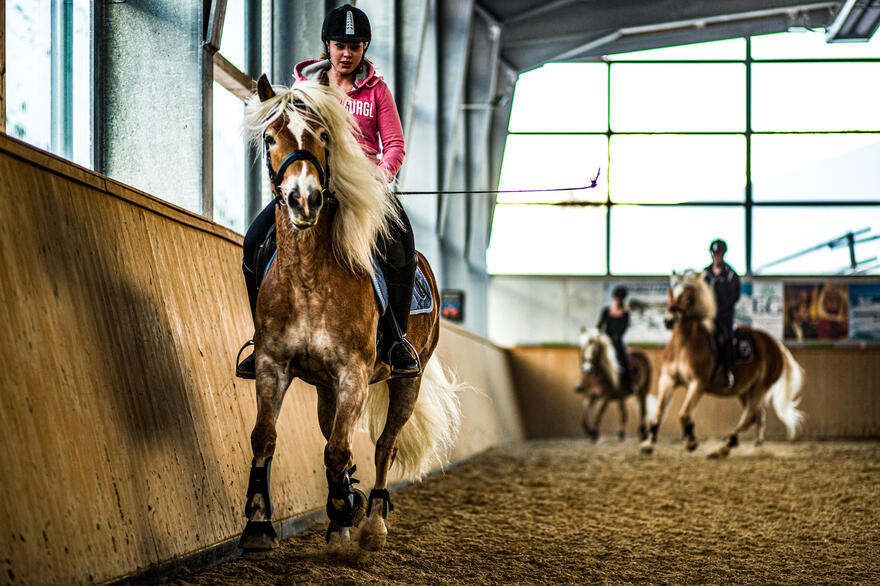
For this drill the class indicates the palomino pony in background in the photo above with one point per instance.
(689, 361)
(601, 382)
(317, 318)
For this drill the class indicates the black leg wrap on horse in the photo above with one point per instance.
(688, 430)
(342, 489)
(258, 483)
(732, 441)
(380, 493)
(653, 430)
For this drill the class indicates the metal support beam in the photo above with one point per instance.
(296, 35)
(62, 78)
(253, 36)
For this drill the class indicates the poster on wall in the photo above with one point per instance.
(647, 302)
(452, 304)
(864, 311)
(816, 311)
(760, 306)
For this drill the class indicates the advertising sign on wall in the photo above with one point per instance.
(760, 306)
(647, 301)
(816, 311)
(864, 311)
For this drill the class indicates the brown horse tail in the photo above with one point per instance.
(427, 438)
(785, 392)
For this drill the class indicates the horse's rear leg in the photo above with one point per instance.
(750, 414)
(402, 396)
(259, 537)
(622, 433)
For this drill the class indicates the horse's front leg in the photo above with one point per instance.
(402, 396)
(589, 400)
(346, 505)
(259, 537)
(622, 433)
(694, 392)
(666, 386)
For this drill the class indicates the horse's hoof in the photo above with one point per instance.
(338, 540)
(621, 435)
(646, 447)
(721, 452)
(691, 445)
(373, 533)
(258, 539)
(759, 443)
(350, 518)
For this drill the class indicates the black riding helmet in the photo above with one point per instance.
(619, 292)
(346, 24)
(718, 246)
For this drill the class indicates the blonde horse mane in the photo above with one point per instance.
(607, 361)
(704, 297)
(366, 211)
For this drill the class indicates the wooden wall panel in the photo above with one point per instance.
(124, 434)
(841, 396)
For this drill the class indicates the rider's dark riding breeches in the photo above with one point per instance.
(623, 360)
(397, 256)
(724, 342)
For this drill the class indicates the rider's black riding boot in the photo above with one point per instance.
(728, 364)
(402, 357)
(247, 367)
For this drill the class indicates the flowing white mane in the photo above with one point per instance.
(704, 298)
(607, 360)
(366, 210)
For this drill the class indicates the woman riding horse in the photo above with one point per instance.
(614, 321)
(317, 318)
(346, 35)
(688, 361)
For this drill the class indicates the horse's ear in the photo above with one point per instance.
(264, 88)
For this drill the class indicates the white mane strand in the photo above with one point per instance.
(607, 360)
(366, 211)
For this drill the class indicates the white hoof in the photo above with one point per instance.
(339, 543)
(373, 532)
(646, 447)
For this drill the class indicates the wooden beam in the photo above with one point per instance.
(2, 65)
(231, 77)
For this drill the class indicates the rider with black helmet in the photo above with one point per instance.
(614, 321)
(346, 34)
(725, 284)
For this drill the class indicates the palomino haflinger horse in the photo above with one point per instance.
(317, 318)
(688, 360)
(601, 383)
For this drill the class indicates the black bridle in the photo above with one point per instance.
(292, 157)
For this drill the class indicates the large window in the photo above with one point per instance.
(48, 76)
(771, 142)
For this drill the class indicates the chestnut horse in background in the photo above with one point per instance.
(601, 382)
(317, 318)
(688, 361)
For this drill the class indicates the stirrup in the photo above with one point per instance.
(410, 372)
(239, 371)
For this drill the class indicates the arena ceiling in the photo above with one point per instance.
(534, 32)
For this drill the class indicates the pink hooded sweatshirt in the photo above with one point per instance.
(372, 105)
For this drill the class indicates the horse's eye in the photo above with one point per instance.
(324, 136)
(269, 140)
